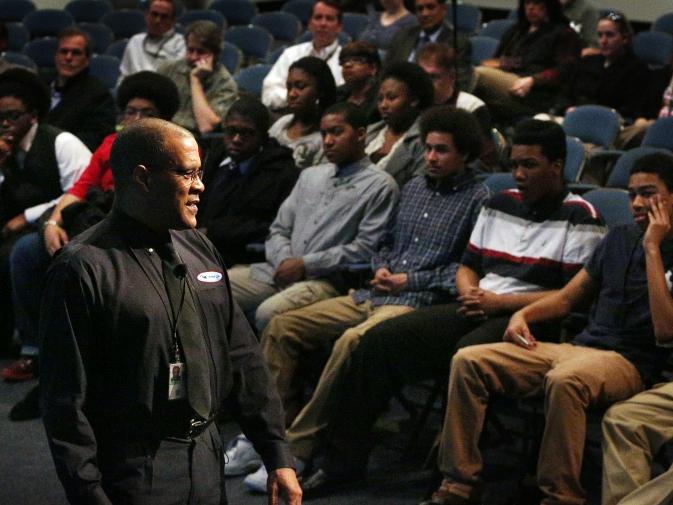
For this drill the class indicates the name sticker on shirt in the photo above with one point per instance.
(209, 277)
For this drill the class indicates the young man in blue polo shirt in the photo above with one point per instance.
(613, 358)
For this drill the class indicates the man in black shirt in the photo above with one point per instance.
(126, 302)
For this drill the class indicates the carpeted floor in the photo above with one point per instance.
(396, 477)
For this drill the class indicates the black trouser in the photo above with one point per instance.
(397, 352)
(177, 473)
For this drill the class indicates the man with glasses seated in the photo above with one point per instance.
(160, 43)
(145, 94)
(247, 176)
(37, 163)
(80, 103)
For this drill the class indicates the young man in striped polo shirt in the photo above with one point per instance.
(526, 242)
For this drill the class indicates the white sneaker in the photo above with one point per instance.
(240, 457)
(256, 481)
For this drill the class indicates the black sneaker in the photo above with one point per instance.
(28, 408)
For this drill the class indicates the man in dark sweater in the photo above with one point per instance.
(80, 103)
(247, 177)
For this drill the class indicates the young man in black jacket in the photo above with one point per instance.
(247, 177)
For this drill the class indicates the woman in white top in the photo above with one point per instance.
(310, 90)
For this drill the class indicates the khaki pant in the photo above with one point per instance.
(572, 379)
(493, 85)
(269, 300)
(633, 433)
(337, 322)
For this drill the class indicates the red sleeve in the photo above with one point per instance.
(98, 173)
(567, 51)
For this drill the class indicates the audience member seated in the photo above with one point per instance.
(415, 266)
(360, 66)
(144, 94)
(533, 59)
(335, 215)
(247, 176)
(583, 17)
(80, 103)
(325, 25)
(205, 86)
(439, 62)
(612, 359)
(384, 25)
(526, 242)
(432, 27)
(310, 91)
(614, 77)
(161, 43)
(37, 163)
(394, 143)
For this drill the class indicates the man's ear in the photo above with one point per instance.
(558, 166)
(141, 176)
(362, 134)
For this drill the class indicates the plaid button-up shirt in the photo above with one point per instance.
(426, 239)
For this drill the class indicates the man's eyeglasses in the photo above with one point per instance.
(65, 51)
(144, 112)
(11, 115)
(189, 175)
(232, 131)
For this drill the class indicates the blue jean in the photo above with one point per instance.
(28, 265)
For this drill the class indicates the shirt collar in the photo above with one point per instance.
(547, 205)
(434, 35)
(451, 183)
(351, 168)
(138, 234)
(27, 140)
(326, 52)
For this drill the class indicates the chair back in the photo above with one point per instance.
(124, 23)
(105, 68)
(236, 12)
(216, 17)
(660, 134)
(251, 78)
(483, 48)
(284, 27)
(46, 22)
(612, 204)
(619, 175)
(254, 41)
(575, 157)
(101, 36)
(88, 11)
(594, 124)
(231, 57)
(13, 11)
(653, 48)
(469, 18)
